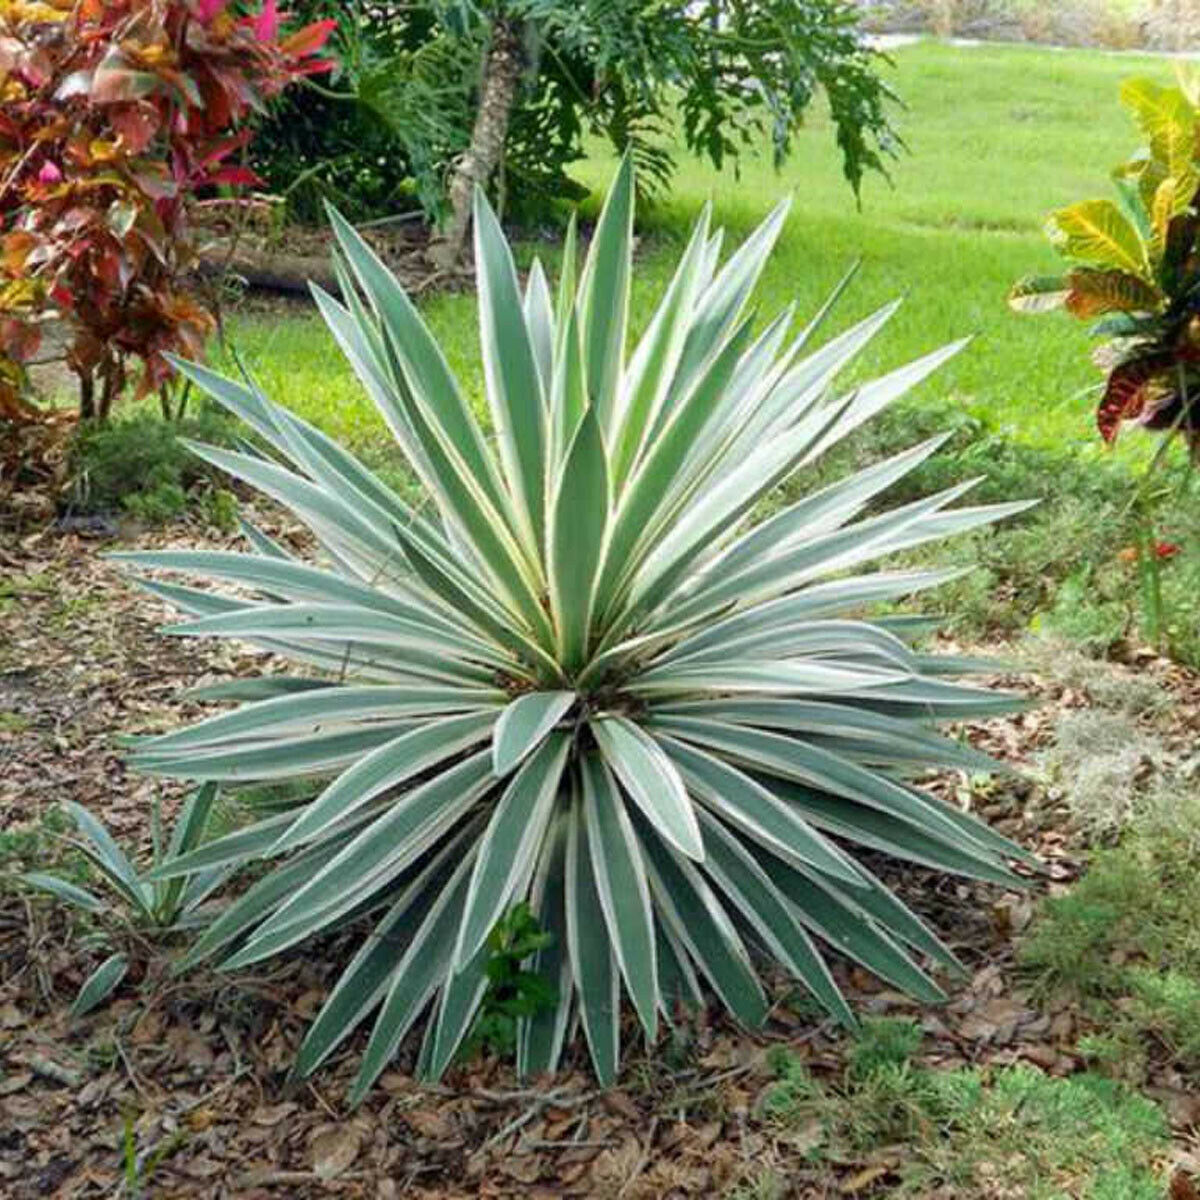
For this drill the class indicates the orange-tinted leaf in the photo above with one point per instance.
(1095, 293)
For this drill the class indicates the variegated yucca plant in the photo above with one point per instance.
(577, 674)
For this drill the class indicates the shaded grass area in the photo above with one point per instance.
(1011, 1131)
(1121, 948)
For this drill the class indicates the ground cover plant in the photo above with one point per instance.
(1120, 947)
(582, 684)
(965, 1131)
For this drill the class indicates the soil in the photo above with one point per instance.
(186, 1077)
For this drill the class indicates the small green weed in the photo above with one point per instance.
(883, 1043)
(35, 842)
(766, 1185)
(13, 722)
(15, 587)
(140, 1166)
(513, 992)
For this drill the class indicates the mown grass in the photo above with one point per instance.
(997, 138)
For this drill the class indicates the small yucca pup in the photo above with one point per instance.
(576, 674)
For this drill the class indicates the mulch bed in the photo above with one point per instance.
(190, 1072)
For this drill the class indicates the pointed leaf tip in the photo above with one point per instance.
(524, 725)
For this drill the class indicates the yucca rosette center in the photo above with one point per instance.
(578, 677)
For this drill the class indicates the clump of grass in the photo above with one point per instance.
(883, 1043)
(138, 466)
(967, 1131)
(1107, 687)
(1123, 944)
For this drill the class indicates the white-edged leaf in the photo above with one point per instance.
(604, 294)
(100, 984)
(597, 979)
(64, 890)
(650, 779)
(510, 842)
(394, 763)
(620, 879)
(524, 724)
(514, 385)
(578, 523)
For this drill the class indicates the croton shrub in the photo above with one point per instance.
(115, 115)
(1134, 268)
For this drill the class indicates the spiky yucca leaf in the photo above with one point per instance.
(579, 677)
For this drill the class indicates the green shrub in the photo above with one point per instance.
(138, 464)
(573, 678)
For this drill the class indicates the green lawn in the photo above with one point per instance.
(998, 137)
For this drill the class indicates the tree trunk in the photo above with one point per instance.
(501, 76)
(87, 396)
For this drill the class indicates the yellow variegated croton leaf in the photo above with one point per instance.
(1134, 264)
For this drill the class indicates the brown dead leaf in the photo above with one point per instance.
(430, 1123)
(861, 1180)
(569, 1173)
(1040, 1055)
(273, 1114)
(308, 1004)
(149, 1028)
(334, 1150)
(11, 1017)
(1183, 1187)
(620, 1103)
(201, 1119)
(202, 1167)
(525, 1168)
(15, 1083)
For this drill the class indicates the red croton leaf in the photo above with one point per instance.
(266, 23)
(136, 125)
(127, 108)
(309, 41)
(235, 177)
(1135, 391)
